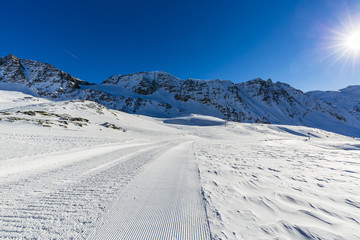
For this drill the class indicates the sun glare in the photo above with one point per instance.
(353, 42)
(344, 43)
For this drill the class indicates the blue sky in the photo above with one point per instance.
(237, 40)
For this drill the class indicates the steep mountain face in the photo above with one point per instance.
(41, 79)
(163, 95)
(279, 103)
(160, 94)
(347, 98)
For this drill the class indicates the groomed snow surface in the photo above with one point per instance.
(77, 170)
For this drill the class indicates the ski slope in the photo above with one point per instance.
(261, 182)
(163, 202)
(141, 189)
(193, 177)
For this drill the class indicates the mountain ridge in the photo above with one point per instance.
(160, 94)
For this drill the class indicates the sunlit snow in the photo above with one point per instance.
(66, 174)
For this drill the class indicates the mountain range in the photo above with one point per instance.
(159, 94)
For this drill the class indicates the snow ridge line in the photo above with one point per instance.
(203, 200)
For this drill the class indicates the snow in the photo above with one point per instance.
(189, 177)
(265, 183)
(195, 120)
(9, 99)
(346, 98)
(163, 202)
(159, 94)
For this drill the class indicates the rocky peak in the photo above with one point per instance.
(11, 59)
(156, 76)
(268, 90)
(11, 70)
(145, 83)
(41, 78)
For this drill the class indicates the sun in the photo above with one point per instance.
(344, 43)
(352, 42)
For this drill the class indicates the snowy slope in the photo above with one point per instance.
(272, 182)
(159, 94)
(37, 78)
(265, 181)
(163, 95)
(279, 103)
(347, 98)
(17, 99)
(190, 177)
(62, 170)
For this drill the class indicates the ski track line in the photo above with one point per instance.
(164, 201)
(67, 201)
(31, 146)
(29, 164)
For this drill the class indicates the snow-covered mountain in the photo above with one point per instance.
(347, 98)
(75, 169)
(37, 78)
(159, 94)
